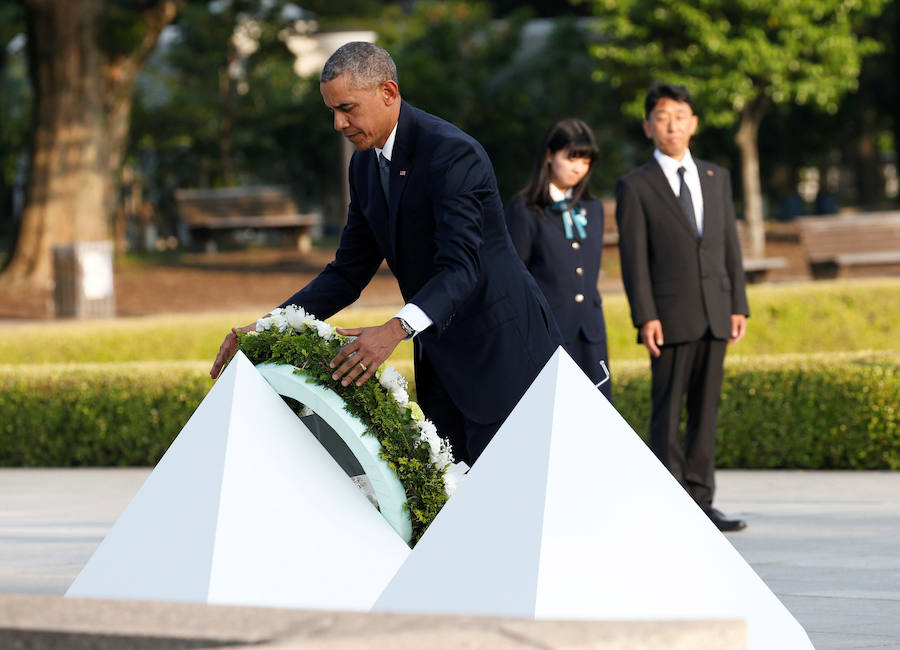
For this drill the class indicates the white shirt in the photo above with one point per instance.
(388, 149)
(691, 178)
(557, 194)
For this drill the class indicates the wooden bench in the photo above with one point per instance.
(206, 213)
(756, 269)
(861, 244)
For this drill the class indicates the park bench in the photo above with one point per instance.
(756, 269)
(208, 213)
(860, 244)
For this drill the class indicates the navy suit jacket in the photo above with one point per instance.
(563, 272)
(691, 284)
(445, 240)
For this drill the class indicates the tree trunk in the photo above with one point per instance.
(82, 104)
(748, 143)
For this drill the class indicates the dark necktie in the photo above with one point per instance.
(684, 198)
(384, 170)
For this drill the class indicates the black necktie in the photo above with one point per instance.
(384, 170)
(684, 198)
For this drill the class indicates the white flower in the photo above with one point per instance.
(392, 379)
(263, 324)
(325, 330)
(453, 476)
(436, 446)
(279, 322)
(295, 315)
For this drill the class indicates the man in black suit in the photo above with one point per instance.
(682, 269)
(423, 196)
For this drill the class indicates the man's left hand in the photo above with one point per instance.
(360, 359)
(738, 327)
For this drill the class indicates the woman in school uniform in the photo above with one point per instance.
(557, 229)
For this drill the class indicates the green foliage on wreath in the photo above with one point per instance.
(385, 418)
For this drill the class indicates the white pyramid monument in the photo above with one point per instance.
(568, 515)
(246, 508)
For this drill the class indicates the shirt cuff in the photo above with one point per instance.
(416, 318)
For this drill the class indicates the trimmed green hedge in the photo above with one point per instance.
(95, 414)
(822, 411)
(803, 412)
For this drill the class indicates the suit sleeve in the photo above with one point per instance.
(634, 253)
(734, 263)
(460, 181)
(522, 228)
(356, 261)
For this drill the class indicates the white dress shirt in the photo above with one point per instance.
(557, 194)
(691, 178)
(388, 149)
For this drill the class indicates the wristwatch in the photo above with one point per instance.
(406, 327)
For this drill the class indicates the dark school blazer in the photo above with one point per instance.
(566, 274)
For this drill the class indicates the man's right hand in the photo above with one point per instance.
(652, 336)
(228, 349)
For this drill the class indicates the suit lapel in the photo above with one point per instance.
(658, 181)
(707, 182)
(401, 166)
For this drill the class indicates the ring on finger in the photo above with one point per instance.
(363, 366)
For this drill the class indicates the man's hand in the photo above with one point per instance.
(652, 335)
(228, 349)
(738, 327)
(360, 359)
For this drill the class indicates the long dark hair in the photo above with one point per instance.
(569, 133)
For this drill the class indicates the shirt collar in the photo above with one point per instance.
(558, 195)
(670, 165)
(388, 149)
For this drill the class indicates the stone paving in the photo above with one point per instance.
(827, 543)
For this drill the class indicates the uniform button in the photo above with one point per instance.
(579, 297)
(579, 271)
(576, 245)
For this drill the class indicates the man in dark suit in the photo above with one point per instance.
(423, 196)
(682, 269)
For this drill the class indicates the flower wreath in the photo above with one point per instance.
(422, 460)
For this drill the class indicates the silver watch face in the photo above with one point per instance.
(406, 327)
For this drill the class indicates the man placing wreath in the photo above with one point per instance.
(423, 196)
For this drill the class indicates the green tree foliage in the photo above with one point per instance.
(503, 81)
(737, 58)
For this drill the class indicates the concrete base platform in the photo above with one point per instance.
(54, 623)
(824, 542)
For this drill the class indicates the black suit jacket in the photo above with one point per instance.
(445, 240)
(687, 282)
(541, 242)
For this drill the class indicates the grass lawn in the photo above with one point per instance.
(804, 318)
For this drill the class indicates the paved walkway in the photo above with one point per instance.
(827, 543)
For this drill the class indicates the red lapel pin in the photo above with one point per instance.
(403, 172)
(709, 172)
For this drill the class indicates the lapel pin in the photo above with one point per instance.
(709, 172)
(403, 172)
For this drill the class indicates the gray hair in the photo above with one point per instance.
(367, 64)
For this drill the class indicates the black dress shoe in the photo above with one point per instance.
(723, 523)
